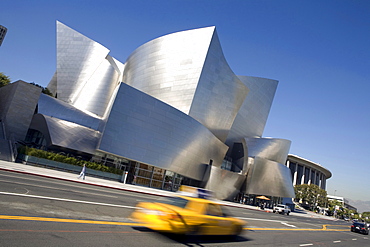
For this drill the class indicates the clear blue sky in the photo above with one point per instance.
(319, 51)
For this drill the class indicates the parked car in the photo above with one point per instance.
(281, 209)
(360, 228)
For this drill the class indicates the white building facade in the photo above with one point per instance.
(304, 171)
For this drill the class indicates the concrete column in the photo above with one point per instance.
(295, 175)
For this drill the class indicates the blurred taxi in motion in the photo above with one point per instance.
(189, 213)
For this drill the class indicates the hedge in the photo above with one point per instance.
(65, 159)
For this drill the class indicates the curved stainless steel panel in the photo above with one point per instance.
(268, 148)
(52, 86)
(146, 130)
(188, 71)
(58, 109)
(77, 59)
(252, 116)
(225, 184)
(66, 134)
(168, 68)
(267, 177)
(219, 94)
(98, 90)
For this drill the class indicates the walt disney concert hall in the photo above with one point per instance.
(173, 113)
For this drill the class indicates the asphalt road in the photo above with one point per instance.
(37, 211)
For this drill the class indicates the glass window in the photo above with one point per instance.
(312, 177)
(143, 174)
(226, 164)
(142, 181)
(214, 210)
(299, 174)
(306, 175)
(177, 201)
(317, 179)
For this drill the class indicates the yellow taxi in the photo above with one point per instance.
(191, 213)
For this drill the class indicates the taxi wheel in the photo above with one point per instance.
(237, 230)
(195, 230)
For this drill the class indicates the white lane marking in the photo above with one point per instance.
(56, 188)
(354, 239)
(66, 200)
(278, 221)
(305, 244)
(338, 241)
(284, 223)
(243, 218)
(120, 192)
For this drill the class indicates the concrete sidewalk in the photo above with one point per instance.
(72, 177)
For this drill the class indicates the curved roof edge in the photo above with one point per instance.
(310, 163)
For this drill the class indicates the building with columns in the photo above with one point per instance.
(3, 31)
(307, 172)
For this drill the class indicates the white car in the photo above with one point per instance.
(281, 209)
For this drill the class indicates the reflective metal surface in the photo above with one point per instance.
(146, 130)
(174, 104)
(268, 177)
(98, 90)
(58, 109)
(168, 68)
(62, 133)
(225, 184)
(86, 76)
(269, 148)
(252, 116)
(188, 71)
(219, 94)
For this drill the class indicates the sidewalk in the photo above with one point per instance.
(72, 177)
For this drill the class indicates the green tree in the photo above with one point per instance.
(4, 80)
(311, 194)
(339, 211)
(365, 216)
(46, 91)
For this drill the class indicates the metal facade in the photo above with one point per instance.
(86, 76)
(66, 134)
(175, 104)
(168, 68)
(267, 177)
(146, 130)
(252, 116)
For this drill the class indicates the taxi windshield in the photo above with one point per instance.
(177, 201)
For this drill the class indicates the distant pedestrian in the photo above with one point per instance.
(83, 171)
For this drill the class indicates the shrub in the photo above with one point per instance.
(65, 159)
